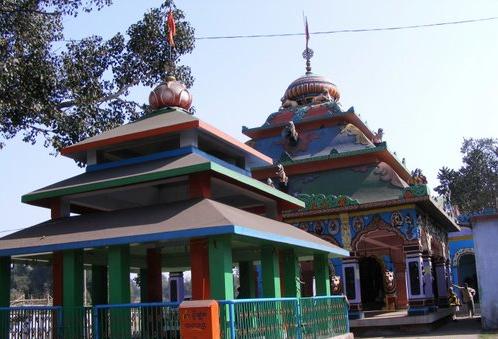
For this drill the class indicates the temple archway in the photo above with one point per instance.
(380, 250)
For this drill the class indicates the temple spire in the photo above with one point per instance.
(308, 52)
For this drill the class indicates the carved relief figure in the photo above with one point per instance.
(417, 178)
(282, 178)
(352, 130)
(289, 132)
(270, 183)
(336, 285)
(377, 138)
(389, 283)
(288, 104)
(322, 97)
(390, 290)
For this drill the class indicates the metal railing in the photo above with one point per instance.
(315, 317)
(303, 318)
(145, 321)
(37, 322)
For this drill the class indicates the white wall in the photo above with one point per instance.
(486, 250)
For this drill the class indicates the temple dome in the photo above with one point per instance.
(305, 88)
(171, 93)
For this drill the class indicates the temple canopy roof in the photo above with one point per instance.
(181, 220)
(144, 176)
(156, 132)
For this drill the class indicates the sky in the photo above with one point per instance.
(427, 88)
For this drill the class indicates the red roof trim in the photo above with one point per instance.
(216, 132)
(129, 137)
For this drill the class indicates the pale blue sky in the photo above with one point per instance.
(427, 88)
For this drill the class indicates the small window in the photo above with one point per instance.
(413, 269)
(350, 285)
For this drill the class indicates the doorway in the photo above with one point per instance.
(467, 273)
(372, 284)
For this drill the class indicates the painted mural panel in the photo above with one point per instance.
(368, 183)
(403, 221)
(323, 141)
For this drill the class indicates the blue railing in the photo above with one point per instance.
(300, 318)
(314, 317)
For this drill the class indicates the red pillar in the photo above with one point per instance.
(55, 213)
(199, 258)
(307, 274)
(154, 275)
(200, 185)
(57, 278)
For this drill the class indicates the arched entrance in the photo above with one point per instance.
(380, 254)
(372, 283)
(467, 272)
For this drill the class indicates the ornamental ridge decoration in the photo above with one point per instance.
(414, 191)
(322, 201)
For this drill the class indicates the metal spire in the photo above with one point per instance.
(308, 52)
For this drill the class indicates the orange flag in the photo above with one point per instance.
(171, 28)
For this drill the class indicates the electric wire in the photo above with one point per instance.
(358, 30)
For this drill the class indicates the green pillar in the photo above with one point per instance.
(247, 280)
(118, 258)
(292, 275)
(72, 293)
(4, 295)
(220, 268)
(321, 267)
(99, 285)
(271, 274)
(4, 281)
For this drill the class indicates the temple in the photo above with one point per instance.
(358, 196)
(166, 193)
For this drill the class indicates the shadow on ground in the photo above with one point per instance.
(463, 328)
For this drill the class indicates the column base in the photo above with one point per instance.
(421, 307)
(356, 312)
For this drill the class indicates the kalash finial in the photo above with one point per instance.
(170, 93)
(308, 52)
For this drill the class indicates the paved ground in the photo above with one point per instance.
(463, 328)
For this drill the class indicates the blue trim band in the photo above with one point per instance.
(138, 160)
(165, 155)
(175, 235)
(240, 230)
(221, 162)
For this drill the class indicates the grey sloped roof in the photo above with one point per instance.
(189, 219)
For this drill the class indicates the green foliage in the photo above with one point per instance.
(31, 281)
(475, 185)
(71, 93)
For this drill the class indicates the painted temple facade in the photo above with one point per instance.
(358, 196)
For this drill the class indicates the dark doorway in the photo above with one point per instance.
(372, 284)
(467, 273)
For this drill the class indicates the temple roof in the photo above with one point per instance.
(183, 220)
(157, 124)
(171, 164)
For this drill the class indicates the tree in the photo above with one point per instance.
(68, 94)
(475, 185)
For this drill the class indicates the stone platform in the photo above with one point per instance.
(378, 323)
